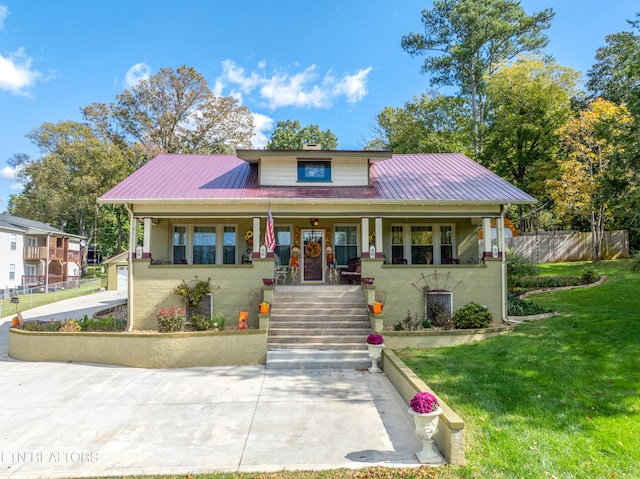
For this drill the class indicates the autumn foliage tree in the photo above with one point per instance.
(593, 142)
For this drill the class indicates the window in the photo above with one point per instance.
(346, 244)
(422, 244)
(283, 243)
(179, 244)
(229, 245)
(12, 271)
(204, 245)
(397, 243)
(14, 242)
(314, 170)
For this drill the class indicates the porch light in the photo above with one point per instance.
(15, 300)
(314, 222)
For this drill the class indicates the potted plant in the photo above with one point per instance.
(375, 342)
(426, 410)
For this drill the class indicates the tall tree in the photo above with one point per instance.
(528, 101)
(63, 184)
(467, 40)
(290, 135)
(427, 124)
(174, 111)
(593, 143)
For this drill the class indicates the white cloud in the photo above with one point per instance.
(135, 74)
(4, 13)
(262, 124)
(304, 89)
(16, 75)
(8, 173)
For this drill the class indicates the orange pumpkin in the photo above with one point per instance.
(264, 307)
(377, 307)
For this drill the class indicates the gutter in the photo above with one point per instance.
(503, 274)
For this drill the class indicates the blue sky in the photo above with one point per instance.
(334, 63)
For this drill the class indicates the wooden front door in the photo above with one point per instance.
(312, 256)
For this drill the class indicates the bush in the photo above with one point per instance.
(217, 322)
(472, 316)
(441, 316)
(589, 276)
(518, 267)
(201, 322)
(171, 319)
(537, 282)
(70, 326)
(524, 307)
(635, 262)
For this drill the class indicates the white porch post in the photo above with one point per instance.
(146, 239)
(500, 235)
(486, 235)
(256, 237)
(379, 253)
(365, 237)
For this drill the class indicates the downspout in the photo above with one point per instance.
(503, 273)
(132, 245)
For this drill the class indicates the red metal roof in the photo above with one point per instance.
(447, 177)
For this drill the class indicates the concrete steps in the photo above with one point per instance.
(319, 326)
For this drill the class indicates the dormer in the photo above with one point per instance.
(313, 166)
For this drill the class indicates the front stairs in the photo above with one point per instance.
(318, 327)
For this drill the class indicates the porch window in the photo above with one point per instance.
(421, 244)
(397, 243)
(179, 244)
(446, 242)
(229, 245)
(12, 271)
(31, 270)
(204, 245)
(346, 244)
(283, 243)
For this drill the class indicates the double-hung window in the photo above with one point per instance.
(346, 243)
(179, 244)
(422, 243)
(204, 244)
(283, 243)
(14, 242)
(229, 245)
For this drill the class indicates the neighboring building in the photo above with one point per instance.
(411, 220)
(117, 271)
(34, 254)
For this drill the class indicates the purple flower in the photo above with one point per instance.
(375, 339)
(424, 403)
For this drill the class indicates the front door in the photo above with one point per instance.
(312, 256)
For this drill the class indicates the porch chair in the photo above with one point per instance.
(280, 272)
(352, 273)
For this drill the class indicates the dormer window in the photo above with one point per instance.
(314, 170)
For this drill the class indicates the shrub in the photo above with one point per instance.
(171, 319)
(398, 326)
(201, 322)
(525, 307)
(635, 262)
(472, 316)
(441, 316)
(589, 276)
(537, 282)
(69, 326)
(517, 267)
(217, 322)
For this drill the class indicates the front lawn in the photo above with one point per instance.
(558, 397)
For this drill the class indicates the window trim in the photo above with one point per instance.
(436, 234)
(219, 246)
(307, 170)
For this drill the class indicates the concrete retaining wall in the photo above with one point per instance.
(439, 338)
(449, 438)
(142, 350)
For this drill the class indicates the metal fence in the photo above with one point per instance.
(36, 296)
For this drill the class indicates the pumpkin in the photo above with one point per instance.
(377, 307)
(264, 307)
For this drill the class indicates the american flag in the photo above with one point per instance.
(269, 235)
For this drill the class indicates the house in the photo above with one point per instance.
(36, 255)
(410, 220)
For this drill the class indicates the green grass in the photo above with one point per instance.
(33, 300)
(558, 397)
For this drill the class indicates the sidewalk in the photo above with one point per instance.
(73, 420)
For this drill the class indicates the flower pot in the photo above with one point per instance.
(267, 281)
(426, 426)
(375, 351)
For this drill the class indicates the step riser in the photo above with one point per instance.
(274, 325)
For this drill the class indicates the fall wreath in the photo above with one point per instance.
(312, 249)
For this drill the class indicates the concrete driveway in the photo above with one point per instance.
(74, 420)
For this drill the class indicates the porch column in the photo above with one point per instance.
(256, 237)
(146, 239)
(379, 253)
(486, 234)
(365, 237)
(500, 235)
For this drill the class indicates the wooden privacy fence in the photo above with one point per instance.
(560, 246)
